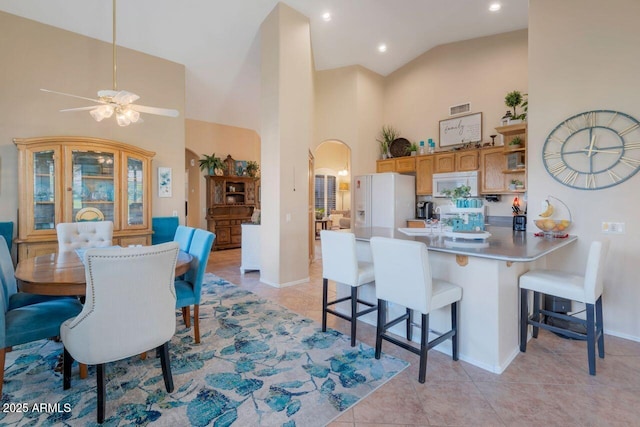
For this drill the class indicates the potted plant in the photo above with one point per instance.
(512, 100)
(319, 213)
(516, 184)
(252, 168)
(387, 135)
(412, 149)
(460, 192)
(211, 164)
(516, 142)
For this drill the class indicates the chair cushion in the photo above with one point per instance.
(184, 293)
(557, 283)
(444, 293)
(22, 299)
(37, 321)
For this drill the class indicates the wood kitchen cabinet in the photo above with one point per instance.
(399, 164)
(424, 175)
(492, 178)
(230, 203)
(515, 158)
(459, 161)
(444, 162)
(71, 179)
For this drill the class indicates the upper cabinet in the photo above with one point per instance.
(515, 156)
(458, 161)
(400, 165)
(71, 179)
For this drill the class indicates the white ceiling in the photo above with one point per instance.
(218, 40)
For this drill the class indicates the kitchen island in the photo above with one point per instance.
(488, 272)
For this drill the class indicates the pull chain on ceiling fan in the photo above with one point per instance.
(114, 101)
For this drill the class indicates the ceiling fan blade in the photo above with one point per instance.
(155, 110)
(78, 109)
(74, 96)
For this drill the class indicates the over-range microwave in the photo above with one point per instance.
(451, 180)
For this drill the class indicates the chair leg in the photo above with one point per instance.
(325, 289)
(600, 327)
(591, 338)
(186, 316)
(454, 327)
(3, 352)
(67, 361)
(382, 308)
(166, 366)
(409, 324)
(424, 347)
(196, 323)
(524, 315)
(536, 313)
(102, 389)
(354, 316)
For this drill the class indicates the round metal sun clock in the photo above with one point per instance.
(593, 150)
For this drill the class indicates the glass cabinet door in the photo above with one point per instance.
(92, 186)
(135, 197)
(44, 190)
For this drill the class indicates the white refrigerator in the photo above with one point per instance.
(384, 200)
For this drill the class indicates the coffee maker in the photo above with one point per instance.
(424, 210)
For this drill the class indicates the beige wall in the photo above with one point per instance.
(208, 138)
(332, 157)
(38, 56)
(582, 57)
(287, 113)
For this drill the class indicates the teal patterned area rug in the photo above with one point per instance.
(258, 364)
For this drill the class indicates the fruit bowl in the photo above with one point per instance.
(548, 225)
(550, 222)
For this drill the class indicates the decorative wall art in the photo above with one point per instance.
(461, 130)
(164, 182)
(241, 167)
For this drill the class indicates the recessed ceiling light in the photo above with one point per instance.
(326, 16)
(494, 7)
(382, 48)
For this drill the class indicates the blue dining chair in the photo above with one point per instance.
(188, 289)
(12, 297)
(183, 236)
(36, 321)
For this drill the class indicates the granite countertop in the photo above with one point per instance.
(504, 243)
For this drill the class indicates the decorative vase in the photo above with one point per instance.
(384, 156)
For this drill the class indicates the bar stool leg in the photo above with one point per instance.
(600, 327)
(382, 306)
(454, 327)
(524, 315)
(424, 347)
(325, 287)
(354, 316)
(409, 324)
(536, 313)
(591, 338)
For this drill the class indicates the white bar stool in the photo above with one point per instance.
(403, 277)
(586, 289)
(340, 264)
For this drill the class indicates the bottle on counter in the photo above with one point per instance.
(421, 147)
(432, 146)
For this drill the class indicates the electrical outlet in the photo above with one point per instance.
(175, 213)
(613, 227)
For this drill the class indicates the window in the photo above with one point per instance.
(325, 196)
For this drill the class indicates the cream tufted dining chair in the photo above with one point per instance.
(130, 308)
(78, 235)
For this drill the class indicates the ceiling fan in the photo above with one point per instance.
(116, 101)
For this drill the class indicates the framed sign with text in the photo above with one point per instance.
(461, 130)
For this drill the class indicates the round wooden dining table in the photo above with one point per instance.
(63, 273)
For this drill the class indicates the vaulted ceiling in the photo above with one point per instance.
(218, 41)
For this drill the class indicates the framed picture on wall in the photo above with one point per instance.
(241, 167)
(461, 130)
(164, 182)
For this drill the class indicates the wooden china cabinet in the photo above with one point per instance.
(71, 179)
(230, 203)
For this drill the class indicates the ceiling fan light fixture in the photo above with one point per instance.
(132, 115)
(122, 119)
(102, 112)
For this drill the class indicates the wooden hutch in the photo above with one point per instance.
(230, 203)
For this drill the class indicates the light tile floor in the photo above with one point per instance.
(548, 385)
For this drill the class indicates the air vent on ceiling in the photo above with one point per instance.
(459, 109)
